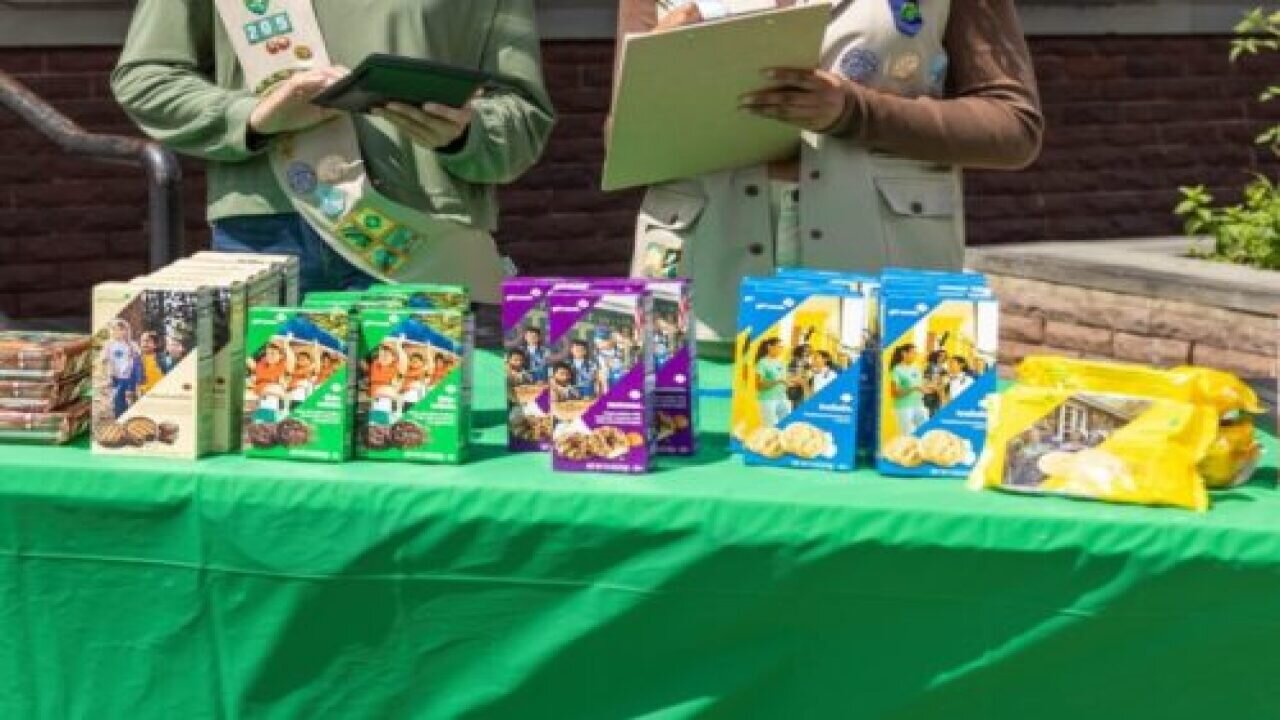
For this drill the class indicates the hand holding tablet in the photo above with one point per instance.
(383, 79)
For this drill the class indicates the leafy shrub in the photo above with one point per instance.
(1247, 233)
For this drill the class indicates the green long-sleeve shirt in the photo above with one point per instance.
(179, 79)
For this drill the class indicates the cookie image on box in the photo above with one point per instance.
(798, 373)
(152, 365)
(600, 378)
(415, 385)
(299, 393)
(938, 367)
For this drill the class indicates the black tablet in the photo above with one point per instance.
(381, 79)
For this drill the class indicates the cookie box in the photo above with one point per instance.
(227, 319)
(288, 268)
(675, 367)
(426, 296)
(415, 385)
(45, 428)
(36, 396)
(43, 356)
(153, 378)
(525, 330)
(299, 390)
(798, 373)
(937, 370)
(869, 286)
(601, 382)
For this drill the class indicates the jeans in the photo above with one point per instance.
(289, 234)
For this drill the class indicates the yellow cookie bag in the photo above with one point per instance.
(1234, 453)
(1112, 447)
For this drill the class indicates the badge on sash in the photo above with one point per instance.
(907, 16)
(257, 7)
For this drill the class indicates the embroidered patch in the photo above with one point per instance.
(302, 179)
(333, 202)
(268, 27)
(905, 67)
(257, 7)
(938, 73)
(374, 223)
(907, 16)
(332, 169)
(380, 241)
(859, 64)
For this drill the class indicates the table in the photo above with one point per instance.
(234, 588)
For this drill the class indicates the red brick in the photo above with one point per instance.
(1153, 351)
(27, 276)
(59, 87)
(54, 303)
(22, 62)
(81, 60)
(66, 247)
(1247, 365)
(91, 273)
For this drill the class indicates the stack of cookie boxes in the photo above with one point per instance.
(43, 377)
(601, 372)
(382, 374)
(169, 351)
(831, 366)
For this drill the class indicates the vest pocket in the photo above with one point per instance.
(920, 223)
(667, 219)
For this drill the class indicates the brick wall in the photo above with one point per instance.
(1130, 119)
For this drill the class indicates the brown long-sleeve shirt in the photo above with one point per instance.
(990, 117)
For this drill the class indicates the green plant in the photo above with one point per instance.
(1247, 233)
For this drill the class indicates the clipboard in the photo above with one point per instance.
(675, 105)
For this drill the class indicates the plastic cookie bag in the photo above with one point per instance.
(1234, 454)
(1113, 447)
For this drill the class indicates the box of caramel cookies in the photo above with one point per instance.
(299, 392)
(600, 378)
(153, 370)
(415, 385)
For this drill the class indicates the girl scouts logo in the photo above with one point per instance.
(257, 7)
(906, 15)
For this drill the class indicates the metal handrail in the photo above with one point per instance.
(164, 175)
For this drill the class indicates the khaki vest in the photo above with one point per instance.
(859, 209)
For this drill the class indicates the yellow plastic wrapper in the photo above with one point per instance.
(1234, 454)
(1113, 447)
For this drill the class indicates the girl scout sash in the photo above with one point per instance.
(321, 171)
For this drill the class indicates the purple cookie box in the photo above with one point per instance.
(520, 298)
(628, 405)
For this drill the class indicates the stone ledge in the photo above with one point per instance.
(1152, 267)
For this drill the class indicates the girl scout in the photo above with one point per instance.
(405, 195)
(909, 91)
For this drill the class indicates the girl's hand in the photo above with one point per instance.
(431, 126)
(687, 14)
(813, 100)
(288, 107)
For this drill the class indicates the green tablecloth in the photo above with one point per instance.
(234, 588)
